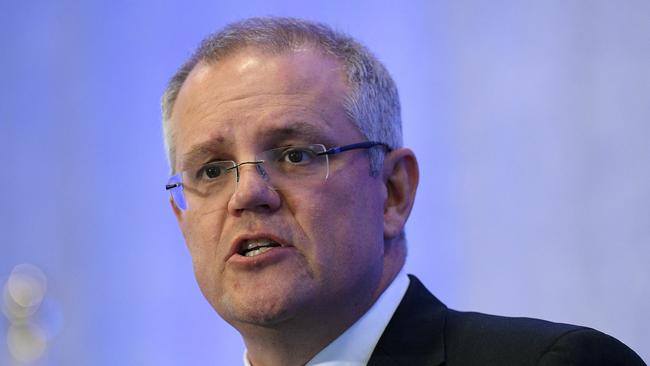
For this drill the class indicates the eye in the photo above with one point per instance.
(211, 171)
(297, 155)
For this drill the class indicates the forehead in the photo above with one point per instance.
(250, 94)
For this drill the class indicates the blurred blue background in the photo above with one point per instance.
(531, 121)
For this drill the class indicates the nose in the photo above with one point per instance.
(254, 191)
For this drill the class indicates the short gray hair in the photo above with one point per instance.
(372, 104)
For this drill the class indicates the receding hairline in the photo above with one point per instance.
(261, 49)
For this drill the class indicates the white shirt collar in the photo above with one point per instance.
(354, 347)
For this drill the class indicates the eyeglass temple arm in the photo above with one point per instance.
(360, 145)
(173, 185)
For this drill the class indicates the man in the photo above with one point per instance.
(292, 188)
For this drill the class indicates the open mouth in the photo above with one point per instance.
(254, 247)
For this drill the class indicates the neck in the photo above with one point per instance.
(288, 345)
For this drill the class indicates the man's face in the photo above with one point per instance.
(332, 250)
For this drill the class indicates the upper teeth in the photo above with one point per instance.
(254, 243)
(253, 247)
(252, 253)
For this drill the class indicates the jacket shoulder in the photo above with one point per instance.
(482, 339)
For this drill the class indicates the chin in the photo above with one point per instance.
(261, 311)
(266, 298)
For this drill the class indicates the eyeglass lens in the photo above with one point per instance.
(286, 168)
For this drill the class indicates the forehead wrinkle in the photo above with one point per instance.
(206, 108)
(296, 129)
(294, 97)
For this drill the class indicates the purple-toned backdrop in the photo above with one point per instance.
(531, 122)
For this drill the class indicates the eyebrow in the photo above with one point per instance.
(217, 145)
(201, 151)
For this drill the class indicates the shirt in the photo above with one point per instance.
(354, 347)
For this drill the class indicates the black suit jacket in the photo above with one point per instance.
(423, 331)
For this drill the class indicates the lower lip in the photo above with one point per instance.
(269, 257)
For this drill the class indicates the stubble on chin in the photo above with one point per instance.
(270, 305)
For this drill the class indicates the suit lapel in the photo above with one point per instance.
(414, 335)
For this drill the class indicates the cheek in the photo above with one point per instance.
(344, 226)
(202, 231)
(202, 235)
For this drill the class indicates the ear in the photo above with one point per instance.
(401, 176)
